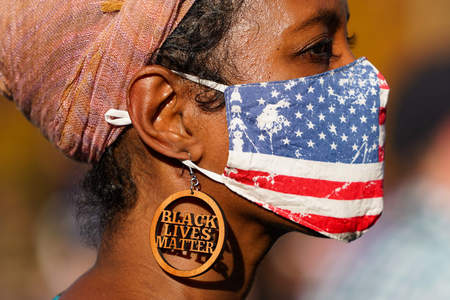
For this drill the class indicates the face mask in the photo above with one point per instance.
(311, 150)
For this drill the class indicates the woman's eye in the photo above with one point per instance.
(320, 52)
(322, 48)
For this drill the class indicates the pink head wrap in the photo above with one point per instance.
(65, 63)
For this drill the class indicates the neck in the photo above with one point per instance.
(126, 266)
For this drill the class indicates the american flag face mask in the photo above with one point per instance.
(311, 150)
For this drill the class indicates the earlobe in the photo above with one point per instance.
(158, 103)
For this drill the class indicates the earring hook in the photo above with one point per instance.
(194, 180)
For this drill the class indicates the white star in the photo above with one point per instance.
(275, 94)
(330, 91)
(352, 110)
(311, 125)
(354, 128)
(299, 133)
(310, 107)
(374, 110)
(343, 119)
(374, 128)
(321, 117)
(311, 90)
(365, 138)
(332, 129)
(341, 100)
(263, 84)
(332, 109)
(299, 97)
(288, 86)
(362, 83)
(262, 138)
(351, 92)
(355, 147)
(322, 136)
(373, 91)
(344, 138)
(286, 141)
(333, 146)
(287, 123)
(261, 101)
(374, 147)
(362, 100)
(321, 81)
(343, 82)
(321, 99)
(363, 119)
(298, 115)
(311, 144)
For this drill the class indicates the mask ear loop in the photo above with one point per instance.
(208, 83)
(118, 117)
(212, 175)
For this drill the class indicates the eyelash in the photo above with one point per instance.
(327, 46)
(320, 51)
(351, 40)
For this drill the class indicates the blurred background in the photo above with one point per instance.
(408, 40)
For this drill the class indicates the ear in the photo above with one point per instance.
(162, 113)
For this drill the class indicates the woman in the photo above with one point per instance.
(67, 66)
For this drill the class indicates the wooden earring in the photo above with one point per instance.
(173, 231)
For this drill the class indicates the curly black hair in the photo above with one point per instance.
(108, 189)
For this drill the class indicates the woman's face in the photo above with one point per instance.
(276, 40)
(285, 39)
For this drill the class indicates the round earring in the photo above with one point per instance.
(179, 233)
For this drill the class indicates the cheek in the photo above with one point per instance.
(254, 40)
(215, 140)
(252, 56)
(342, 50)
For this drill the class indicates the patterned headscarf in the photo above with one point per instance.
(65, 63)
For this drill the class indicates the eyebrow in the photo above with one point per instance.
(324, 16)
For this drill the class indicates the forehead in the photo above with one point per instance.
(291, 13)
